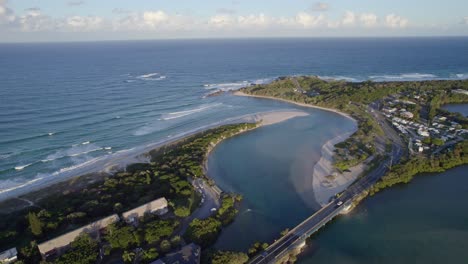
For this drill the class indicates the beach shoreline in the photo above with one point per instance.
(239, 93)
(29, 193)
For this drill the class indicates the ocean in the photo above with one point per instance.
(69, 108)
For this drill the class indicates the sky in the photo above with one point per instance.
(93, 20)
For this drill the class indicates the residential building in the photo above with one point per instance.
(8, 256)
(55, 247)
(158, 206)
(407, 114)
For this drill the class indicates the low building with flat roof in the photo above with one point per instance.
(189, 254)
(8, 256)
(58, 245)
(158, 206)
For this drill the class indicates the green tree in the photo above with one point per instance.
(165, 246)
(128, 256)
(84, 250)
(157, 230)
(204, 232)
(149, 255)
(35, 224)
(30, 254)
(175, 241)
(182, 211)
(120, 237)
(228, 257)
(437, 142)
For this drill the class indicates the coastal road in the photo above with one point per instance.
(210, 200)
(309, 226)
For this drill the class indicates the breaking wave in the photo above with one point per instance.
(405, 76)
(180, 114)
(155, 76)
(235, 85)
(22, 167)
(339, 78)
(75, 151)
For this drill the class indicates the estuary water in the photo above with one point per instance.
(67, 107)
(425, 221)
(457, 108)
(272, 168)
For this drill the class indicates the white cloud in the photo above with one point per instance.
(254, 20)
(221, 21)
(320, 6)
(307, 20)
(368, 19)
(349, 18)
(80, 23)
(394, 21)
(6, 14)
(155, 18)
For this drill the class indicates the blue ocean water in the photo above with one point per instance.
(66, 106)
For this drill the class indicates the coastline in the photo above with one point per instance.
(29, 193)
(327, 181)
(324, 188)
(239, 93)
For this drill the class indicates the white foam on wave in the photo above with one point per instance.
(338, 78)
(85, 143)
(50, 133)
(22, 167)
(405, 76)
(461, 76)
(74, 151)
(235, 85)
(108, 148)
(180, 114)
(155, 76)
(149, 75)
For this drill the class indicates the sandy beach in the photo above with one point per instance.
(239, 93)
(327, 181)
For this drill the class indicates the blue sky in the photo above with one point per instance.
(61, 20)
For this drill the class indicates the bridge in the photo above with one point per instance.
(301, 232)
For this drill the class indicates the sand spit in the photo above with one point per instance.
(239, 93)
(328, 181)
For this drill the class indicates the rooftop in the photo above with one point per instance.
(140, 211)
(66, 239)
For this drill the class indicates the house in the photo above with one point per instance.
(407, 114)
(8, 256)
(423, 133)
(158, 206)
(189, 254)
(56, 246)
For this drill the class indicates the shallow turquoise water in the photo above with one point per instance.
(272, 168)
(425, 221)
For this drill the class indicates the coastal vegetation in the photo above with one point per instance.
(404, 173)
(353, 98)
(168, 175)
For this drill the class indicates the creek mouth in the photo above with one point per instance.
(272, 168)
